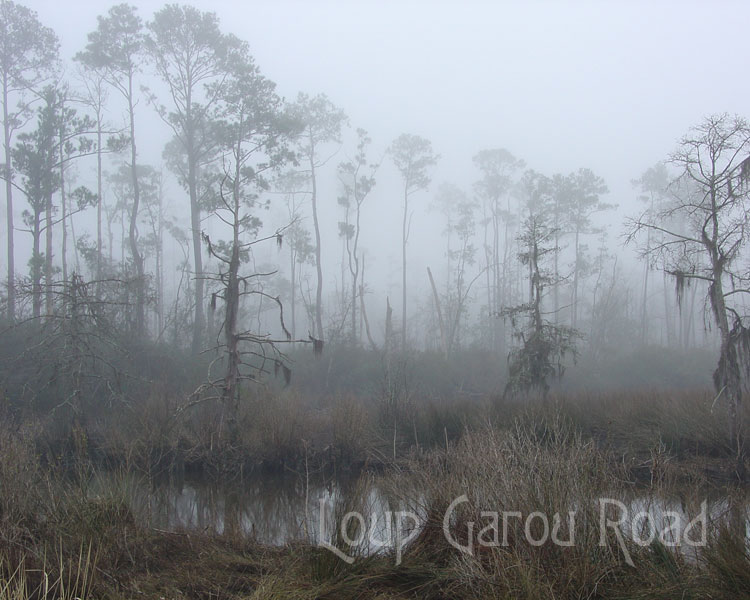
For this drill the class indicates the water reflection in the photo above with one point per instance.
(281, 509)
(272, 510)
(668, 519)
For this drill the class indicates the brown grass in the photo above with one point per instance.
(59, 539)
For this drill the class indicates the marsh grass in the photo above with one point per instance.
(546, 465)
(59, 527)
(654, 433)
(64, 579)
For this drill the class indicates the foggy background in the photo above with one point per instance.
(562, 85)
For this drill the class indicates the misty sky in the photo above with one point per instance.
(606, 85)
(609, 85)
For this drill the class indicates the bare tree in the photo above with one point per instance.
(709, 199)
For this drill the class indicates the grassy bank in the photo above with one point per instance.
(134, 405)
(422, 432)
(277, 431)
(59, 540)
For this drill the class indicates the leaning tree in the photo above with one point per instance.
(703, 231)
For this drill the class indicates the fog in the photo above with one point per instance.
(562, 86)
(277, 274)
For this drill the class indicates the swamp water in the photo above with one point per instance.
(277, 510)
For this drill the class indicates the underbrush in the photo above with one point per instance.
(655, 434)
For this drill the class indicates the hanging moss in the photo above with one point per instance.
(681, 282)
(317, 346)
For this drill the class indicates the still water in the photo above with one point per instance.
(277, 510)
(272, 510)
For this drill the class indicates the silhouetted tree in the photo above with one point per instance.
(585, 188)
(653, 186)
(35, 158)
(499, 169)
(459, 211)
(41, 155)
(710, 201)
(543, 345)
(293, 185)
(256, 136)
(413, 157)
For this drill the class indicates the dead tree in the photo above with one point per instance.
(243, 354)
(256, 131)
(703, 231)
(73, 362)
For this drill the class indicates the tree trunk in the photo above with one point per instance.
(199, 320)
(576, 264)
(667, 313)
(441, 324)
(354, 268)
(354, 311)
(133, 231)
(36, 267)
(232, 297)
(99, 202)
(556, 282)
(9, 204)
(727, 378)
(232, 302)
(318, 267)
(388, 327)
(160, 263)
(404, 235)
(488, 282)
(503, 275)
(48, 256)
(63, 204)
(644, 308)
(363, 312)
(293, 281)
